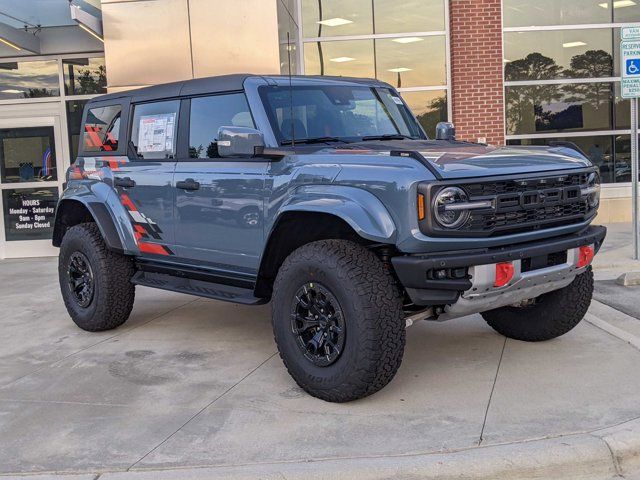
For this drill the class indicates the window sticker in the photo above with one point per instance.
(397, 100)
(155, 133)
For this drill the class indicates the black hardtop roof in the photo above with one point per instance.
(223, 83)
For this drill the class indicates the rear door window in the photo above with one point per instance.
(102, 129)
(208, 114)
(154, 130)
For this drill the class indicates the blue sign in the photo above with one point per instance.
(633, 66)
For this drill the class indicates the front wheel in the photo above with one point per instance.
(337, 320)
(547, 316)
(95, 282)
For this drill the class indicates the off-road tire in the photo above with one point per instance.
(375, 327)
(554, 313)
(113, 293)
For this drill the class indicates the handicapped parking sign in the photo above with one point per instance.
(630, 68)
(633, 66)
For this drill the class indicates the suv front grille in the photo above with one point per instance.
(519, 205)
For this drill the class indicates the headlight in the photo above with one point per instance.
(449, 207)
(592, 191)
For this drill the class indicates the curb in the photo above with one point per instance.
(600, 454)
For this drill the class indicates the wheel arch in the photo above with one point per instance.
(293, 229)
(73, 211)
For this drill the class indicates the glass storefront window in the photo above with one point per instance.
(420, 62)
(74, 122)
(29, 79)
(84, 76)
(556, 108)
(330, 18)
(545, 55)
(599, 149)
(29, 213)
(624, 11)
(525, 13)
(392, 16)
(349, 58)
(27, 155)
(429, 107)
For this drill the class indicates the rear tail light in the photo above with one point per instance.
(504, 274)
(585, 255)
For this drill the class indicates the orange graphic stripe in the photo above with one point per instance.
(152, 248)
(126, 201)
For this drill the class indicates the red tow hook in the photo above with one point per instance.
(504, 273)
(585, 255)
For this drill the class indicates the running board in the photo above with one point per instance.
(200, 288)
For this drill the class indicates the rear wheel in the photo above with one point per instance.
(337, 320)
(94, 281)
(547, 316)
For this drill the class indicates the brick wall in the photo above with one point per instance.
(476, 69)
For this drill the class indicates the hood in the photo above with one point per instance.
(454, 160)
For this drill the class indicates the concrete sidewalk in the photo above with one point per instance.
(196, 385)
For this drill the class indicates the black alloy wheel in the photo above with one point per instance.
(317, 323)
(80, 279)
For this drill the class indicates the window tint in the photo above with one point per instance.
(208, 114)
(101, 129)
(153, 132)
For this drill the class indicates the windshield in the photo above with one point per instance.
(313, 114)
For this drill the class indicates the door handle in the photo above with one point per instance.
(125, 182)
(188, 184)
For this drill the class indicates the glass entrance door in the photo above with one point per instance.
(31, 176)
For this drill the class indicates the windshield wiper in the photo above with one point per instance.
(309, 141)
(388, 136)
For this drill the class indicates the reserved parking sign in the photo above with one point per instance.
(630, 58)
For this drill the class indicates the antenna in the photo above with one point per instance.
(293, 128)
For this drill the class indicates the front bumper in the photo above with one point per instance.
(413, 271)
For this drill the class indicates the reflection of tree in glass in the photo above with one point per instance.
(593, 63)
(91, 81)
(534, 66)
(39, 92)
(212, 150)
(195, 152)
(436, 112)
(523, 102)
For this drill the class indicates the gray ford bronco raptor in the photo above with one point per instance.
(326, 197)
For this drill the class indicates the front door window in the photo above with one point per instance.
(27, 155)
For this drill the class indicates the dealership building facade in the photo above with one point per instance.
(504, 71)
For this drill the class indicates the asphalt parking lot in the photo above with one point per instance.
(191, 382)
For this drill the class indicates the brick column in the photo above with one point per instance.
(476, 69)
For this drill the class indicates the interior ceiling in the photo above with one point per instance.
(46, 13)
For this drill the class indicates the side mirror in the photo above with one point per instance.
(239, 142)
(445, 131)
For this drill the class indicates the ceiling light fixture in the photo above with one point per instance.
(334, 22)
(341, 59)
(618, 4)
(407, 39)
(573, 44)
(400, 69)
(87, 22)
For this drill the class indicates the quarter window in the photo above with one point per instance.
(208, 114)
(154, 131)
(102, 129)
